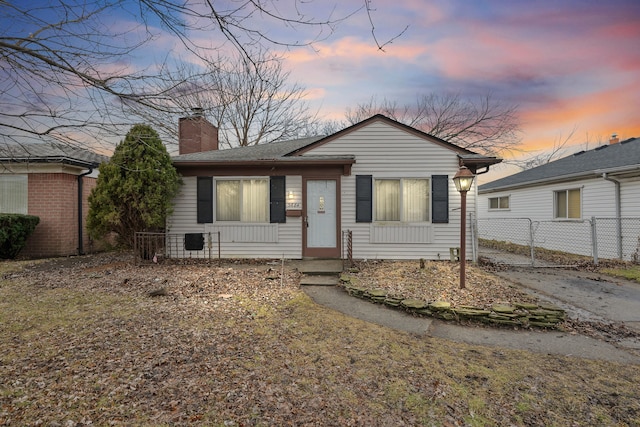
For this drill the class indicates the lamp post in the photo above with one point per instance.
(463, 180)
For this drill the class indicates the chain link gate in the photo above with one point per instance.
(503, 241)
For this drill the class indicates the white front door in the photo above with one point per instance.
(321, 218)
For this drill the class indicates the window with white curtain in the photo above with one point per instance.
(403, 199)
(14, 194)
(245, 200)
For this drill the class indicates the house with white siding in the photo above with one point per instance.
(386, 183)
(602, 183)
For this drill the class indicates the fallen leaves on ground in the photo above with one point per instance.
(438, 281)
(84, 342)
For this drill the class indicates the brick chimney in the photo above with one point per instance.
(614, 139)
(196, 134)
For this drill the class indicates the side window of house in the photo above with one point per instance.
(405, 199)
(567, 204)
(245, 200)
(497, 203)
(14, 194)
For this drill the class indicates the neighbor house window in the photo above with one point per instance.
(567, 204)
(245, 200)
(499, 202)
(401, 200)
(14, 194)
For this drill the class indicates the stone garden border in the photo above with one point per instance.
(525, 315)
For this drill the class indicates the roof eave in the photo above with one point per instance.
(474, 163)
(61, 160)
(265, 162)
(618, 170)
(537, 182)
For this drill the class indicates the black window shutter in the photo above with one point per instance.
(277, 203)
(205, 199)
(364, 199)
(440, 199)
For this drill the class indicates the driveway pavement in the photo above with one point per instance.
(583, 296)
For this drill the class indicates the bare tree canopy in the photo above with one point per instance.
(70, 69)
(484, 125)
(251, 102)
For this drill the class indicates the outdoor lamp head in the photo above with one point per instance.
(463, 179)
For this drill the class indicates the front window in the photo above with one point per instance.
(567, 204)
(14, 194)
(496, 203)
(404, 200)
(245, 200)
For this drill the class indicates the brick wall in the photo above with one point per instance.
(196, 134)
(54, 198)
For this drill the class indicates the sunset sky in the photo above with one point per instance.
(571, 66)
(568, 65)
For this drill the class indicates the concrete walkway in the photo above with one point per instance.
(546, 342)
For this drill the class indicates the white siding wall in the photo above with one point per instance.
(238, 240)
(384, 151)
(630, 195)
(184, 218)
(598, 200)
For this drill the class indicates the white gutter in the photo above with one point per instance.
(618, 211)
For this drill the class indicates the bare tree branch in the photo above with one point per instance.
(369, 8)
(70, 70)
(250, 102)
(483, 125)
(557, 151)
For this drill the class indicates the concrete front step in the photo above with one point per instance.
(318, 272)
(319, 280)
(319, 267)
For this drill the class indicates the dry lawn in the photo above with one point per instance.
(234, 345)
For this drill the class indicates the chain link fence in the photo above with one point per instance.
(522, 241)
(618, 238)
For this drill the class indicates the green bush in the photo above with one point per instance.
(14, 231)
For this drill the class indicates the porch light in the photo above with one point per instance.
(463, 180)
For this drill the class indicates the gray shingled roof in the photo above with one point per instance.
(286, 151)
(42, 152)
(271, 151)
(606, 158)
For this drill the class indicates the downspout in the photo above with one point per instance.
(80, 217)
(618, 212)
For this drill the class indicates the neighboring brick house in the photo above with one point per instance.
(51, 181)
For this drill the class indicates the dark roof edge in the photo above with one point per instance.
(553, 180)
(55, 159)
(267, 162)
(477, 162)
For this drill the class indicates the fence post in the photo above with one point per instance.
(532, 236)
(594, 240)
